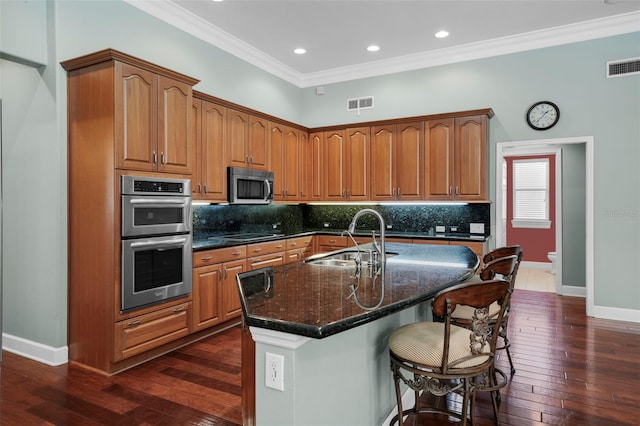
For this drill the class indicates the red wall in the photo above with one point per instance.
(535, 243)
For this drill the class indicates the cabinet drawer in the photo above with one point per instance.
(210, 257)
(139, 334)
(259, 249)
(299, 242)
(272, 259)
(331, 240)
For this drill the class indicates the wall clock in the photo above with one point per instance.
(543, 115)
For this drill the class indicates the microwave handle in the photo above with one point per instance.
(174, 242)
(269, 190)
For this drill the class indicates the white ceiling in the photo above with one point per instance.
(335, 33)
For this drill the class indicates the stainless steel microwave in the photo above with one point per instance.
(249, 186)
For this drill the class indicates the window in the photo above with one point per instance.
(531, 193)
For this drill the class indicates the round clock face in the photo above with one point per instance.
(543, 115)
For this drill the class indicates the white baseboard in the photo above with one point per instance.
(536, 265)
(618, 314)
(35, 351)
(570, 290)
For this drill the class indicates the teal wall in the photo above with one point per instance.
(34, 133)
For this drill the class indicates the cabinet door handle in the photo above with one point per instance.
(163, 158)
(450, 190)
(332, 241)
(399, 192)
(247, 160)
(294, 244)
(206, 259)
(206, 190)
(134, 323)
(393, 192)
(178, 309)
(457, 190)
(257, 250)
(279, 246)
(344, 193)
(236, 253)
(199, 188)
(226, 273)
(154, 158)
(251, 159)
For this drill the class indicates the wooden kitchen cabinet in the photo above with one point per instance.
(152, 121)
(247, 140)
(304, 164)
(329, 243)
(455, 158)
(396, 159)
(140, 334)
(346, 165)
(215, 293)
(270, 253)
(299, 248)
(315, 167)
(209, 131)
(120, 109)
(284, 148)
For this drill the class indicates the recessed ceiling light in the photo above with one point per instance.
(217, 0)
(441, 34)
(373, 48)
(299, 51)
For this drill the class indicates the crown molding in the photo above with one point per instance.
(173, 14)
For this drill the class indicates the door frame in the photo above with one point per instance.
(557, 164)
(535, 146)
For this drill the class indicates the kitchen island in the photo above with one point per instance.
(329, 321)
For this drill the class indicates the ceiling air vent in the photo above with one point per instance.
(357, 104)
(623, 67)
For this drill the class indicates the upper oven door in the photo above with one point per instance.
(153, 215)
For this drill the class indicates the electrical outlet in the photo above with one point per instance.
(274, 371)
(454, 229)
(440, 228)
(476, 228)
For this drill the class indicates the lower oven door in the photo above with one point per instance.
(155, 269)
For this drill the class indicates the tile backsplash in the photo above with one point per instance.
(291, 219)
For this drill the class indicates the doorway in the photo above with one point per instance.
(533, 147)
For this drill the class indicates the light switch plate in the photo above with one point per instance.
(476, 228)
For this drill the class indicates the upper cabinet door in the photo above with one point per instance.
(438, 159)
(315, 170)
(212, 179)
(333, 176)
(291, 156)
(383, 169)
(258, 143)
(276, 147)
(408, 160)
(237, 136)
(136, 105)
(357, 164)
(471, 157)
(176, 153)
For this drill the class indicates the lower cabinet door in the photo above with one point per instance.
(139, 334)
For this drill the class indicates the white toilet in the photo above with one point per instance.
(552, 257)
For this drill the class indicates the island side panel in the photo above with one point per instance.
(339, 380)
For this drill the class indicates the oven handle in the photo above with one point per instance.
(174, 242)
(156, 201)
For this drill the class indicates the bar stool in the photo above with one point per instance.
(443, 359)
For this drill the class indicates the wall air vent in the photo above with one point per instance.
(356, 104)
(623, 68)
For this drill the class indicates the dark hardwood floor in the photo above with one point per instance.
(571, 370)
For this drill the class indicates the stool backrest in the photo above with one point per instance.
(483, 332)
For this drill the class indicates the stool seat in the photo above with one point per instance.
(423, 343)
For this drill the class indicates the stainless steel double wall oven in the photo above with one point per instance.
(156, 240)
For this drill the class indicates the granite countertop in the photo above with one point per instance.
(317, 301)
(210, 242)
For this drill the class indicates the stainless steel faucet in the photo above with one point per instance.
(379, 247)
